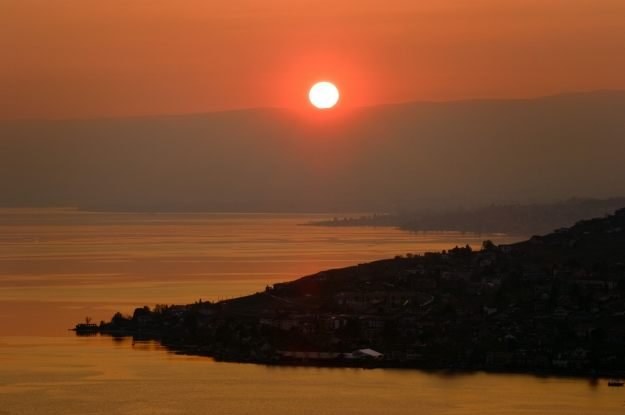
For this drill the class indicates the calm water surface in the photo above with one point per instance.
(64, 375)
(58, 266)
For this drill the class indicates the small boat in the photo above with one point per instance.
(616, 382)
(86, 328)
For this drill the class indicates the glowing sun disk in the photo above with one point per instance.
(323, 95)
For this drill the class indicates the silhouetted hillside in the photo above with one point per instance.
(512, 219)
(554, 303)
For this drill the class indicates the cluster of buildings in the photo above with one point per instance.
(553, 303)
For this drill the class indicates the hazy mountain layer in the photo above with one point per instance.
(382, 158)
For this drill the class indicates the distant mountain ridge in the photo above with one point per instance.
(386, 158)
(519, 219)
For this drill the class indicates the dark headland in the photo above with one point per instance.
(551, 304)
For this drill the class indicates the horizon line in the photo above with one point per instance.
(288, 109)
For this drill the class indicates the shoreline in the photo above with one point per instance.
(202, 351)
(540, 306)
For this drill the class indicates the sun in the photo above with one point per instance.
(323, 95)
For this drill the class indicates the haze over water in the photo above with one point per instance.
(66, 264)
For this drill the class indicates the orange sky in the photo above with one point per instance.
(92, 58)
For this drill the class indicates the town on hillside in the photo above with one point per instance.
(551, 304)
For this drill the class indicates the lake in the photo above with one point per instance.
(58, 266)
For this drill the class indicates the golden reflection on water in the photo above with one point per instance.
(99, 375)
(57, 265)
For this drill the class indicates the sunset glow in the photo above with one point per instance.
(312, 206)
(324, 95)
(431, 50)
